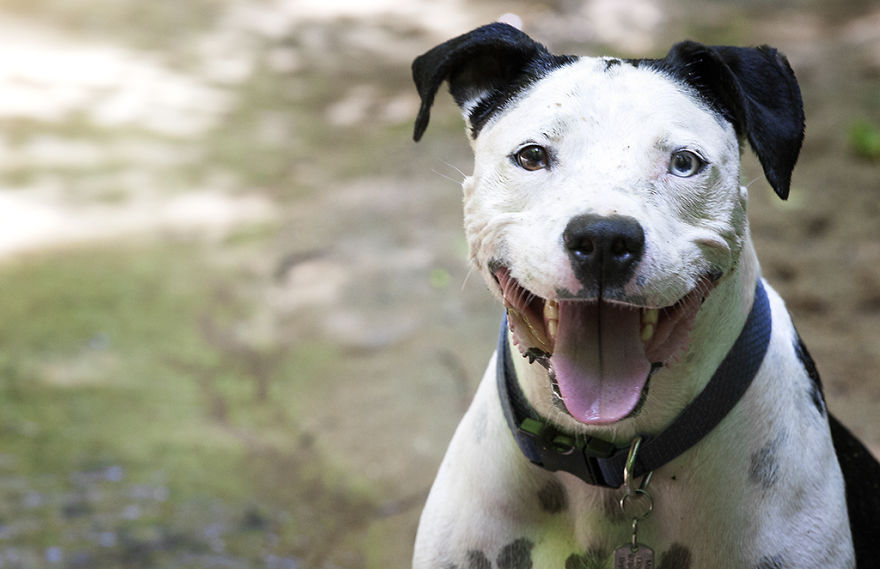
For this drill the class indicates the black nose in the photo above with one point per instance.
(604, 251)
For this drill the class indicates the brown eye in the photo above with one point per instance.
(532, 157)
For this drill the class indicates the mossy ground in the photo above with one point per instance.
(278, 391)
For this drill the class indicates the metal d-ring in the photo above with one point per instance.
(630, 500)
(630, 466)
(639, 494)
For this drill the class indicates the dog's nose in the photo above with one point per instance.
(604, 250)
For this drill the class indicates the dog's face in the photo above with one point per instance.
(605, 201)
(591, 159)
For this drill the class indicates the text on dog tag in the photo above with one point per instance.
(641, 558)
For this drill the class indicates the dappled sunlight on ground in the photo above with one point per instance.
(238, 326)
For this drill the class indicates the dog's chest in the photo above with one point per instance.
(589, 531)
(510, 517)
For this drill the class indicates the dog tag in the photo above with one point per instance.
(641, 558)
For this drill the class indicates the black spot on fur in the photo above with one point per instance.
(796, 503)
(676, 557)
(516, 555)
(861, 473)
(478, 560)
(609, 63)
(771, 562)
(764, 467)
(816, 392)
(552, 497)
(593, 559)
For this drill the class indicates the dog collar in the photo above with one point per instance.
(600, 462)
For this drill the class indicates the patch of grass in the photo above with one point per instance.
(734, 28)
(112, 178)
(86, 338)
(144, 24)
(864, 139)
(251, 233)
(132, 435)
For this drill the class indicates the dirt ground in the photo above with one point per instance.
(297, 120)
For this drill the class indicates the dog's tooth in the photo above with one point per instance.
(650, 315)
(647, 332)
(552, 327)
(551, 310)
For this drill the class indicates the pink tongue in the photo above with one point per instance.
(599, 360)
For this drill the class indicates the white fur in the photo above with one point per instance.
(612, 159)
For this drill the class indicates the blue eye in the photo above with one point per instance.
(685, 164)
(532, 157)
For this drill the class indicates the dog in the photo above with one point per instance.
(650, 403)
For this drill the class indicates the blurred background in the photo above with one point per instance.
(236, 323)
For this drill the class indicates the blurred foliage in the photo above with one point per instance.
(864, 139)
(144, 24)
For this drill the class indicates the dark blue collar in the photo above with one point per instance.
(600, 462)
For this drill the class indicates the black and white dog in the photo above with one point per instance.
(650, 403)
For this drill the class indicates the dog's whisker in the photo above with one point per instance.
(749, 184)
(445, 177)
(457, 169)
(467, 276)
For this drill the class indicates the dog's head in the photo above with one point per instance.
(605, 202)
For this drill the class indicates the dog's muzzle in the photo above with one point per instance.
(602, 351)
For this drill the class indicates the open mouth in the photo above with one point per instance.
(601, 353)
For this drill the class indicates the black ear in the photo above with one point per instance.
(485, 68)
(756, 90)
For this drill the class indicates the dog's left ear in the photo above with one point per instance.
(756, 90)
(485, 68)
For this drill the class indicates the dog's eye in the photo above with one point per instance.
(685, 164)
(532, 157)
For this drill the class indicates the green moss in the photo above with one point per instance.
(87, 337)
(123, 420)
(864, 139)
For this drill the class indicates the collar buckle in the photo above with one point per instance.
(559, 451)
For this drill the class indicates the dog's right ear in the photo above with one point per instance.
(485, 68)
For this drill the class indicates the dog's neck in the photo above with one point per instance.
(718, 323)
